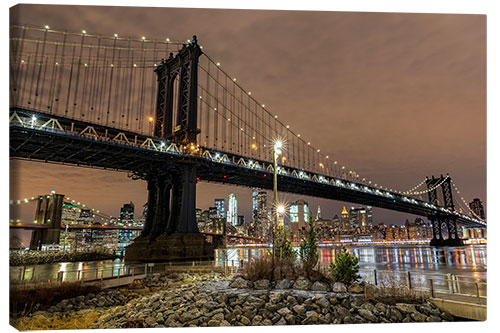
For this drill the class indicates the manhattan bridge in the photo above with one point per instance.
(168, 114)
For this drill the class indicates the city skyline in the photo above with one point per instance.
(370, 94)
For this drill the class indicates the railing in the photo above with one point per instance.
(450, 286)
(28, 274)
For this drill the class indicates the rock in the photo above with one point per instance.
(150, 321)
(319, 286)
(261, 284)
(281, 322)
(323, 303)
(341, 312)
(368, 306)
(447, 317)
(418, 317)
(368, 315)
(356, 288)
(312, 317)
(136, 284)
(395, 316)
(381, 307)
(299, 309)
(433, 318)
(267, 322)
(339, 287)
(240, 283)
(284, 284)
(406, 308)
(284, 311)
(244, 320)
(302, 283)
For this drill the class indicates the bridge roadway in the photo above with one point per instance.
(50, 138)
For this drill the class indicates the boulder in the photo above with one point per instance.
(406, 308)
(339, 287)
(284, 284)
(356, 288)
(319, 286)
(240, 283)
(261, 284)
(368, 315)
(302, 283)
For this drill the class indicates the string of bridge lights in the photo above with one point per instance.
(342, 170)
(352, 173)
(68, 199)
(414, 188)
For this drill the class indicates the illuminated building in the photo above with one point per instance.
(477, 207)
(220, 205)
(232, 210)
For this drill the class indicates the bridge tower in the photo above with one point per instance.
(171, 231)
(48, 213)
(184, 67)
(442, 222)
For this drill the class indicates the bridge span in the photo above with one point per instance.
(170, 115)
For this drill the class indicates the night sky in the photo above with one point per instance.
(396, 97)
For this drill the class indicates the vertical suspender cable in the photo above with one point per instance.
(70, 80)
(60, 75)
(111, 82)
(79, 65)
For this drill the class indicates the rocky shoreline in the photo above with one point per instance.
(201, 301)
(25, 258)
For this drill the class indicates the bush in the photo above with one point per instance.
(282, 246)
(309, 249)
(262, 268)
(345, 269)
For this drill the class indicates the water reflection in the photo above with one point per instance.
(466, 260)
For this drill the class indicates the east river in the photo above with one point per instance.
(469, 261)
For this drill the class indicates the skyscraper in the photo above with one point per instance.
(220, 204)
(477, 207)
(127, 214)
(344, 220)
(299, 215)
(318, 214)
(232, 210)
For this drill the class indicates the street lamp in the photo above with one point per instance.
(278, 145)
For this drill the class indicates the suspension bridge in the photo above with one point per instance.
(167, 113)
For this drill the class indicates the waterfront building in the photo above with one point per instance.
(299, 217)
(241, 220)
(127, 214)
(232, 210)
(345, 221)
(476, 206)
(336, 224)
(220, 205)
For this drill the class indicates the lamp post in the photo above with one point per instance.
(276, 151)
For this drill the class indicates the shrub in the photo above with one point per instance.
(282, 246)
(309, 249)
(345, 269)
(263, 268)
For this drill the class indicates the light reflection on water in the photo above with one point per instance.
(466, 260)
